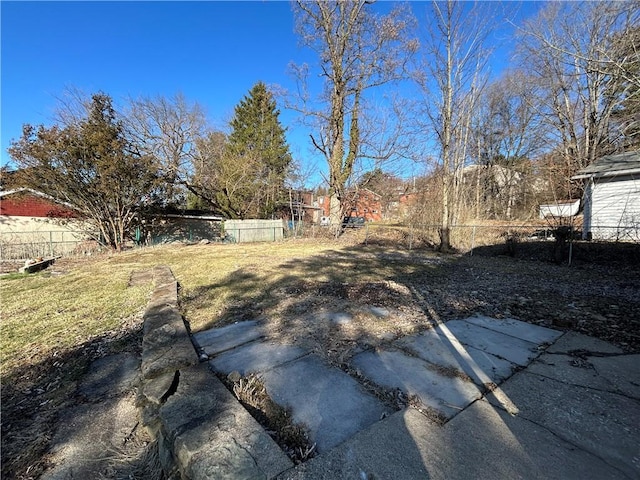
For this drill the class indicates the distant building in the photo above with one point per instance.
(25, 202)
(303, 207)
(359, 203)
(560, 209)
(612, 197)
(29, 218)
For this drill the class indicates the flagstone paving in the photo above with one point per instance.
(446, 369)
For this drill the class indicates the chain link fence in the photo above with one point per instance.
(560, 244)
(463, 238)
(53, 243)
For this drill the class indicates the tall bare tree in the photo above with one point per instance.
(451, 75)
(508, 131)
(571, 47)
(358, 51)
(626, 116)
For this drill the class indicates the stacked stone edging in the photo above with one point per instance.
(201, 429)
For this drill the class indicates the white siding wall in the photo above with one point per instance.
(39, 227)
(615, 209)
(31, 237)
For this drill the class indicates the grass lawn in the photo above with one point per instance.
(66, 305)
(56, 321)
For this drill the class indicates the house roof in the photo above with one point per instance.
(44, 206)
(627, 163)
(6, 193)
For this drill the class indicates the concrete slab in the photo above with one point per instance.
(212, 436)
(394, 369)
(510, 348)
(515, 328)
(617, 374)
(623, 372)
(432, 346)
(255, 357)
(166, 346)
(331, 404)
(571, 341)
(601, 423)
(36, 266)
(217, 340)
(481, 442)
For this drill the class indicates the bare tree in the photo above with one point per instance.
(626, 117)
(450, 76)
(571, 48)
(508, 131)
(205, 181)
(358, 51)
(167, 129)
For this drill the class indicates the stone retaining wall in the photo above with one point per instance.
(202, 430)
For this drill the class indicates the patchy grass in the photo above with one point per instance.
(291, 437)
(56, 321)
(45, 313)
(72, 302)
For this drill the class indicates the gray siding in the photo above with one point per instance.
(244, 231)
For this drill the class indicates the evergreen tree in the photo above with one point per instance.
(259, 154)
(90, 164)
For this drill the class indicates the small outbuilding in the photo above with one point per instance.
(612, 197)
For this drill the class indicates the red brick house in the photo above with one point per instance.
(360, 203)
(302, 207)
(33, 224)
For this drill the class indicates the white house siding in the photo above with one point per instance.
(613, 213)
(27, 237)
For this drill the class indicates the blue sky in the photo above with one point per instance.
(212, 52)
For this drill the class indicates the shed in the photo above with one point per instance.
(612, 197)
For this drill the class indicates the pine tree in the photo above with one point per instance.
(258, 150)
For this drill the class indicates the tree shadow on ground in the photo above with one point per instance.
(417, 289)
(36, 397)
(414, 290)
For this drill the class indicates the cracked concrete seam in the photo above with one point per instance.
(565, 439)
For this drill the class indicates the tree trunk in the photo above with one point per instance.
(335, 214)
(445, 239)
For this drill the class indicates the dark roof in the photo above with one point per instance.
(627, 163)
